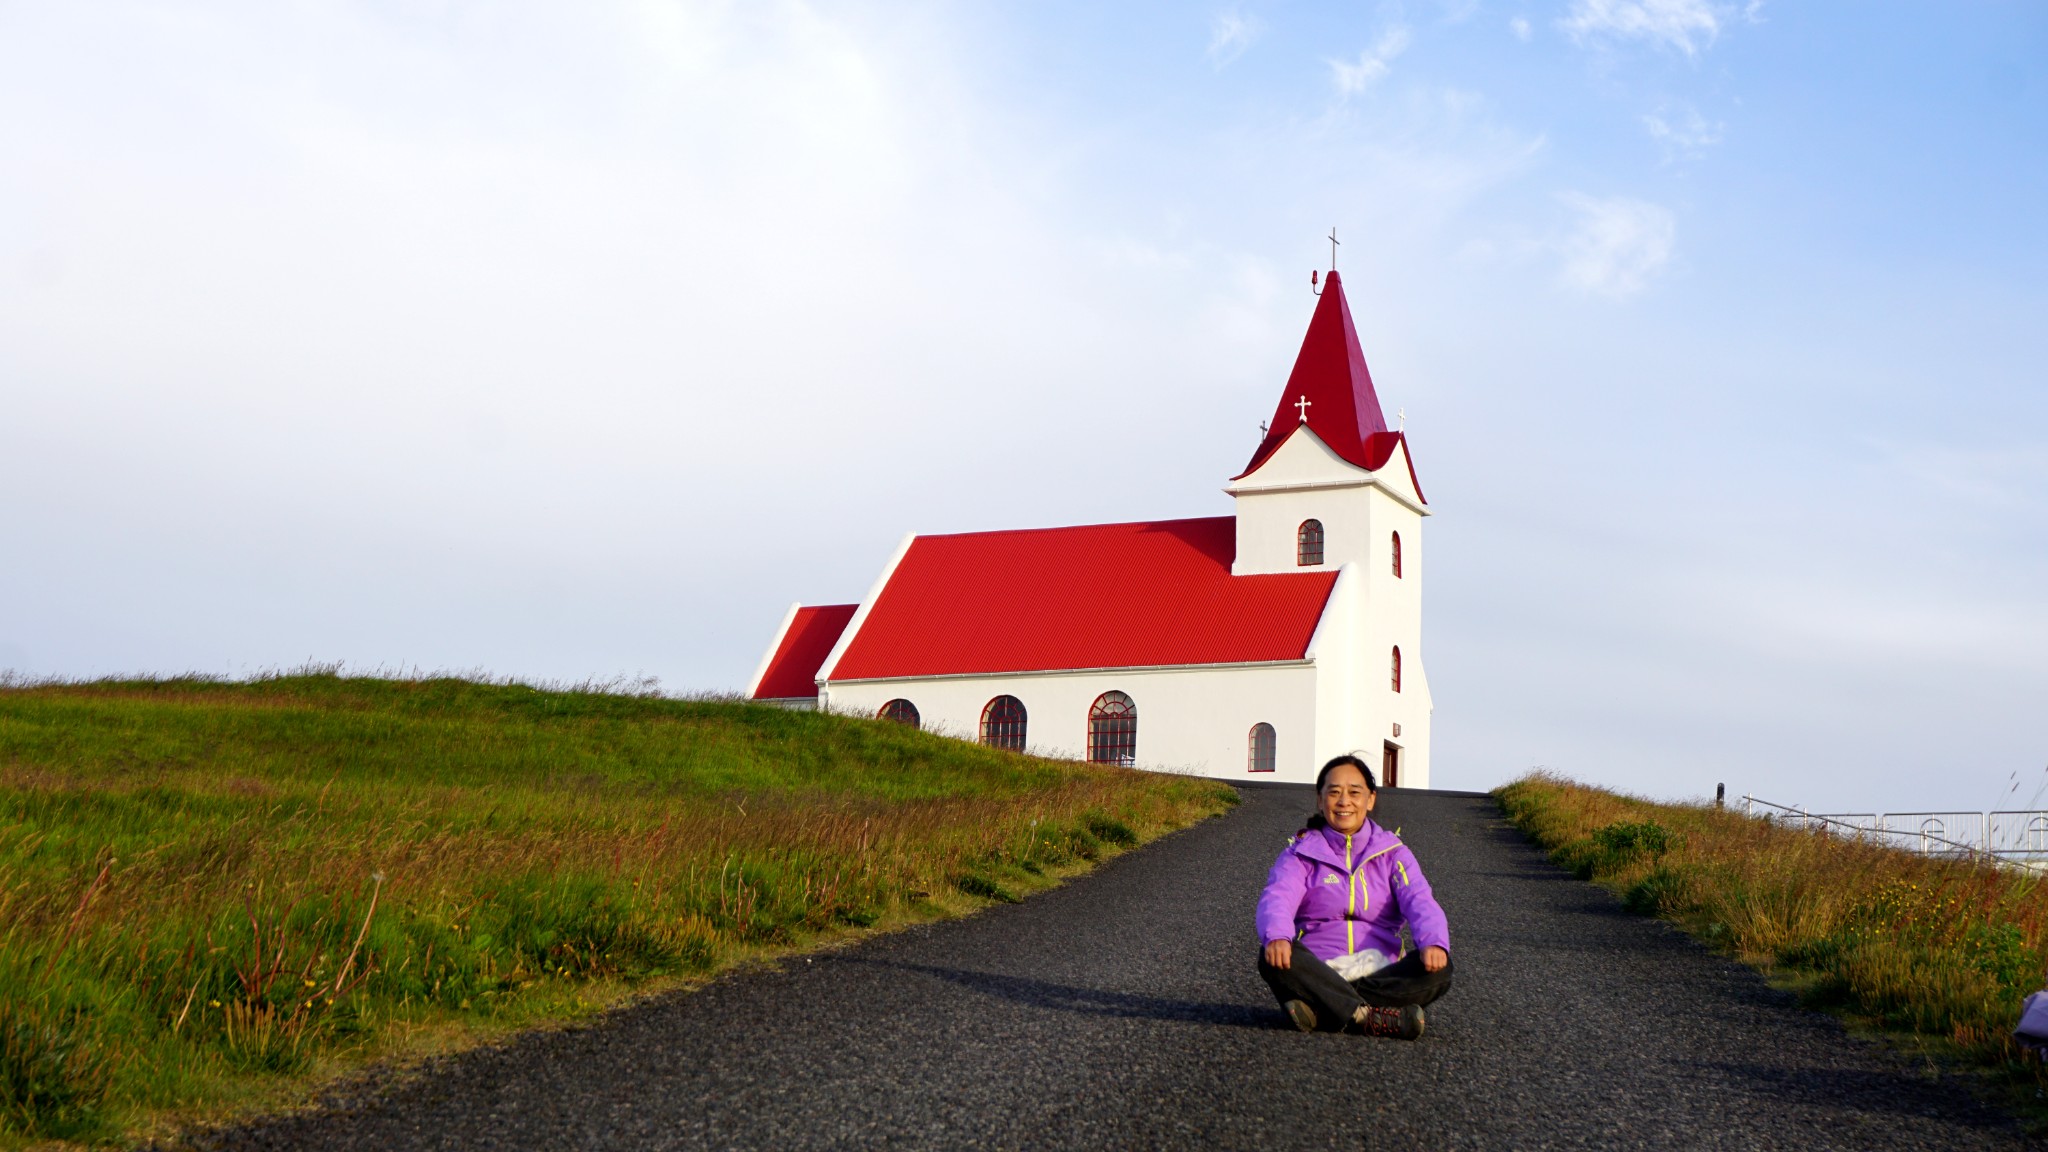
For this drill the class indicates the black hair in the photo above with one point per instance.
(1315, 819)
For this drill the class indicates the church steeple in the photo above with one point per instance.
(1330, 389)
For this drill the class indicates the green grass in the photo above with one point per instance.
(1933, 954)
(214, 895)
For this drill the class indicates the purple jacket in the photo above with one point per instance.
(1339, 894)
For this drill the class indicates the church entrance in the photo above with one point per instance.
(1390, 765)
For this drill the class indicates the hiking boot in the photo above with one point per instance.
(1400, 1023)
(1304, 1017)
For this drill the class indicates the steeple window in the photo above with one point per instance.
(1397, 555)
(1397, 668)
(1308, 544)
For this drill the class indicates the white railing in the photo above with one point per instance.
(2019, 838)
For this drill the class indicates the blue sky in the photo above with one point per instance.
(567, 341)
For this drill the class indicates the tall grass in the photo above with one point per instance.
(1939, 948)
(213, 892)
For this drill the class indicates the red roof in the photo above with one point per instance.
(1101, 596)
(1330, 373)
(793, 670)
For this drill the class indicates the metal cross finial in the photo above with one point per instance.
(1402, 416)
(1333, 247)
(1303, 405)
(1262, 429)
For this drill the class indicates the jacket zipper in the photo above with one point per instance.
(1351, 910)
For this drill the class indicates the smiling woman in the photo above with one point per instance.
(1331, 918)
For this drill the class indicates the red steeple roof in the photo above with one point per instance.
(1330, 373)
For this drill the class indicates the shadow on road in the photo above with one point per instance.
(1874, 1091)
(1093, 1001)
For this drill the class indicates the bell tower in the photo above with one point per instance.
(1332, 488)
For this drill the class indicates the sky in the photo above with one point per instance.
(576, 341)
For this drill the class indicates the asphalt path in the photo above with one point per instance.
(1123, 1011)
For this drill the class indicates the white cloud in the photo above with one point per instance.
(1685, 135)
(1230, 33)
(1520, 27)
(1372, 63)
(1618, 245)
(1686, 25)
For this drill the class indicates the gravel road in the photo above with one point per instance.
(1123, 1011)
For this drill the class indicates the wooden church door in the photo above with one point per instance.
(1390, 765)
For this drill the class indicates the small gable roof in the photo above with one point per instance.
(792, 671)
(1330, 373)
(1150, 594)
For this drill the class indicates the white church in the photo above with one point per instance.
(1255, 645)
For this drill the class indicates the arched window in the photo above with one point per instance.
(1397, 669)
(1262, 745)
(1308, 543)
(1397, 555)
(1113, 730)
(901, 711)
(1002, 723)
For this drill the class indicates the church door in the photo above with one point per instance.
(1390, 765)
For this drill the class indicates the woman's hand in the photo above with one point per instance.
(1280, 954)
(1433, 958)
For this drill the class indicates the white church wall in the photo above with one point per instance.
(1393, 617)
(1397, 477)
(1196, 719)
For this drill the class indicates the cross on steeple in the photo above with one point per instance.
(1303, 405)
(1333, 247)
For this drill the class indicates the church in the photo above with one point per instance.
(1256, 645)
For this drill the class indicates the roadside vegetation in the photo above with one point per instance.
(1937, 953)
(214, 895)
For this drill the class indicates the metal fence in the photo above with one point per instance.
(2019, 838)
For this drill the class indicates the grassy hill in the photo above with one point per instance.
(214, 894)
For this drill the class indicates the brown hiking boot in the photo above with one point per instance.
(1400, 1023)
(1304, 1017)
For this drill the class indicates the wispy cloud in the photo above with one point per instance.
(1689, 26)
(1230, 33)
(1617, 246)
(1520, 27)
(1372, 64)
(1685, 135)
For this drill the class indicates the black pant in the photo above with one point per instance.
(1336, 999)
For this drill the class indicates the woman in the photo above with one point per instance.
(1330, 918)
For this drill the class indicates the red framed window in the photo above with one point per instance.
(1308, 543)
(1002, 723)
(1113, 730)
(1397, 555)
(1263, 745)
(901, 711)
(1397, 668)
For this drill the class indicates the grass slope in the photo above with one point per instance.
(1934, 953)
(214, 894)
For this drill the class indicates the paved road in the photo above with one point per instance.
(1123, 1011)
